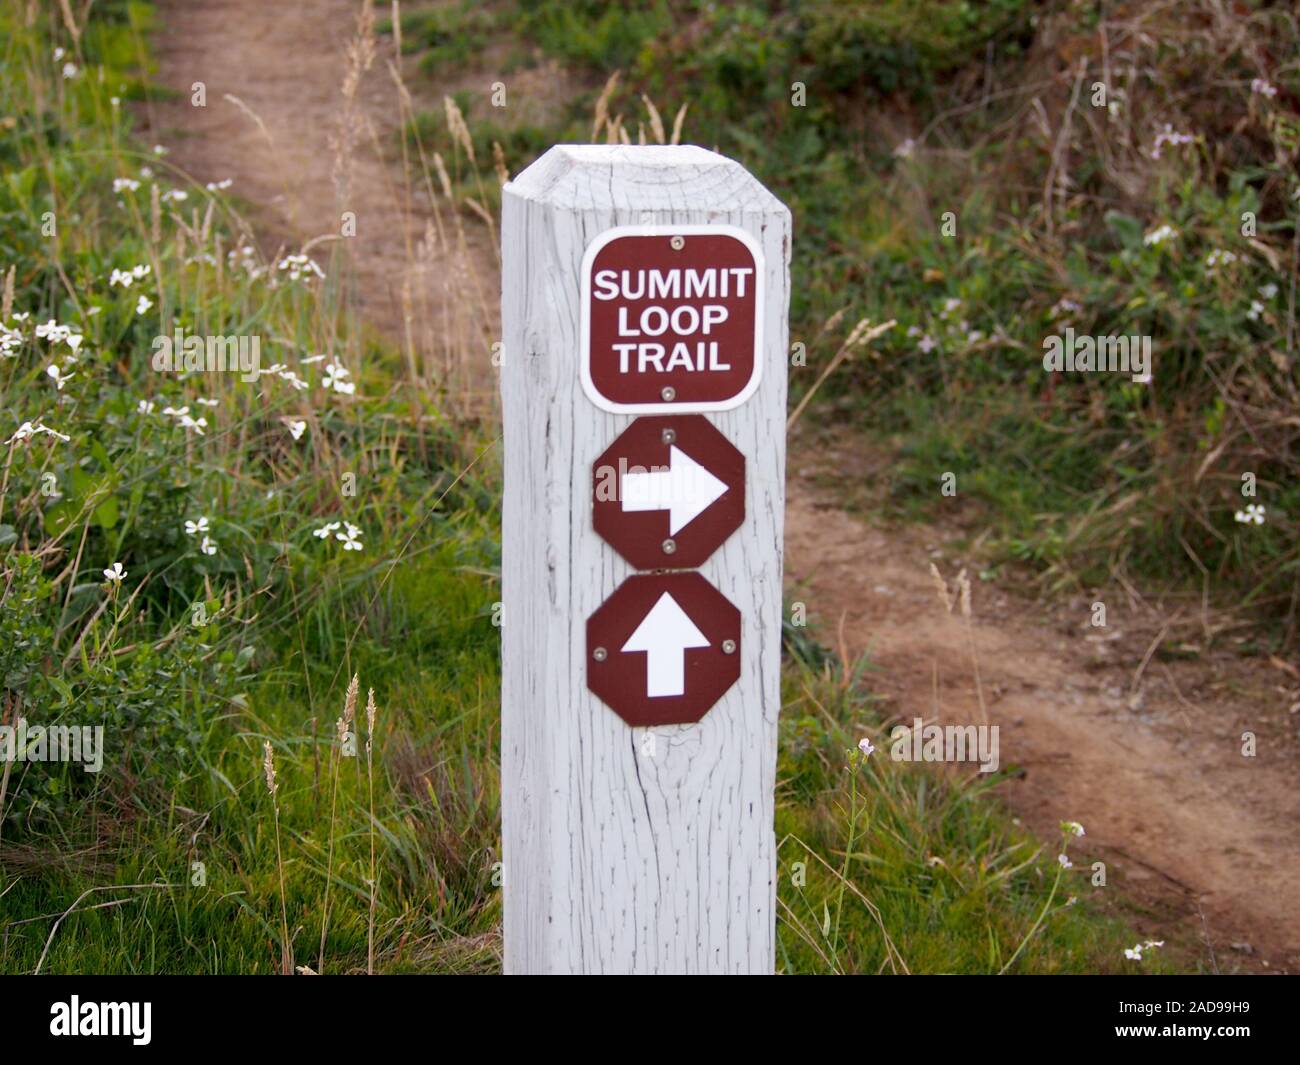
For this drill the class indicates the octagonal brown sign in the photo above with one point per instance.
(668, 491)
(663, 649)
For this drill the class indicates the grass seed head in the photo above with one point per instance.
(268, 766)
(941, 587)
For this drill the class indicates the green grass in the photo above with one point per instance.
(176, 858)
(889, 866)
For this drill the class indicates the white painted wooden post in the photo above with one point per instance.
(628, 850)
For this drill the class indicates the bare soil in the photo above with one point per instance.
(1145, 752)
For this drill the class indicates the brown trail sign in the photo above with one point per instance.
(669, 318)
(668, 492)
(663, 648)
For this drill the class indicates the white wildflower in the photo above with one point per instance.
(53, 332)
(1159, 235)
(28, 430)
(1169, 135)
(115, 573)
(58, 376)
(10, 340)
(336, 378)
(299, 266)
(350, 537)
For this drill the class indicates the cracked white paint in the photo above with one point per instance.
(623, 855)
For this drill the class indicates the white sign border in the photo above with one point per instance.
(698, 407)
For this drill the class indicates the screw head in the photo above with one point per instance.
(669, 393)
(728, 647)
(670, 546)
(600, 654)
(669, 436)
(677, 243)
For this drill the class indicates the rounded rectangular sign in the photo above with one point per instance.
(672, 319)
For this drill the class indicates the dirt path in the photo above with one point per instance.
(1205, 837)
(1153, 768)
(301, 156)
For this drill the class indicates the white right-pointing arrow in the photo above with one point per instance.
(686, 489)
(664, 635)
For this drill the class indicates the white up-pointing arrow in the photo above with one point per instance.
(686, 489)
(664, 635)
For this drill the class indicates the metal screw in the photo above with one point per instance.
(600, 654)
(678, 243)
(728, 647)
(670, 546)
(670, 436)
(669, 394)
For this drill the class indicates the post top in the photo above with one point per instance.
(639, 177)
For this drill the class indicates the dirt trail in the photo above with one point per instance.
(1206, 838)
(295, 152)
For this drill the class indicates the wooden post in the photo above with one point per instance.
(629, 850)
